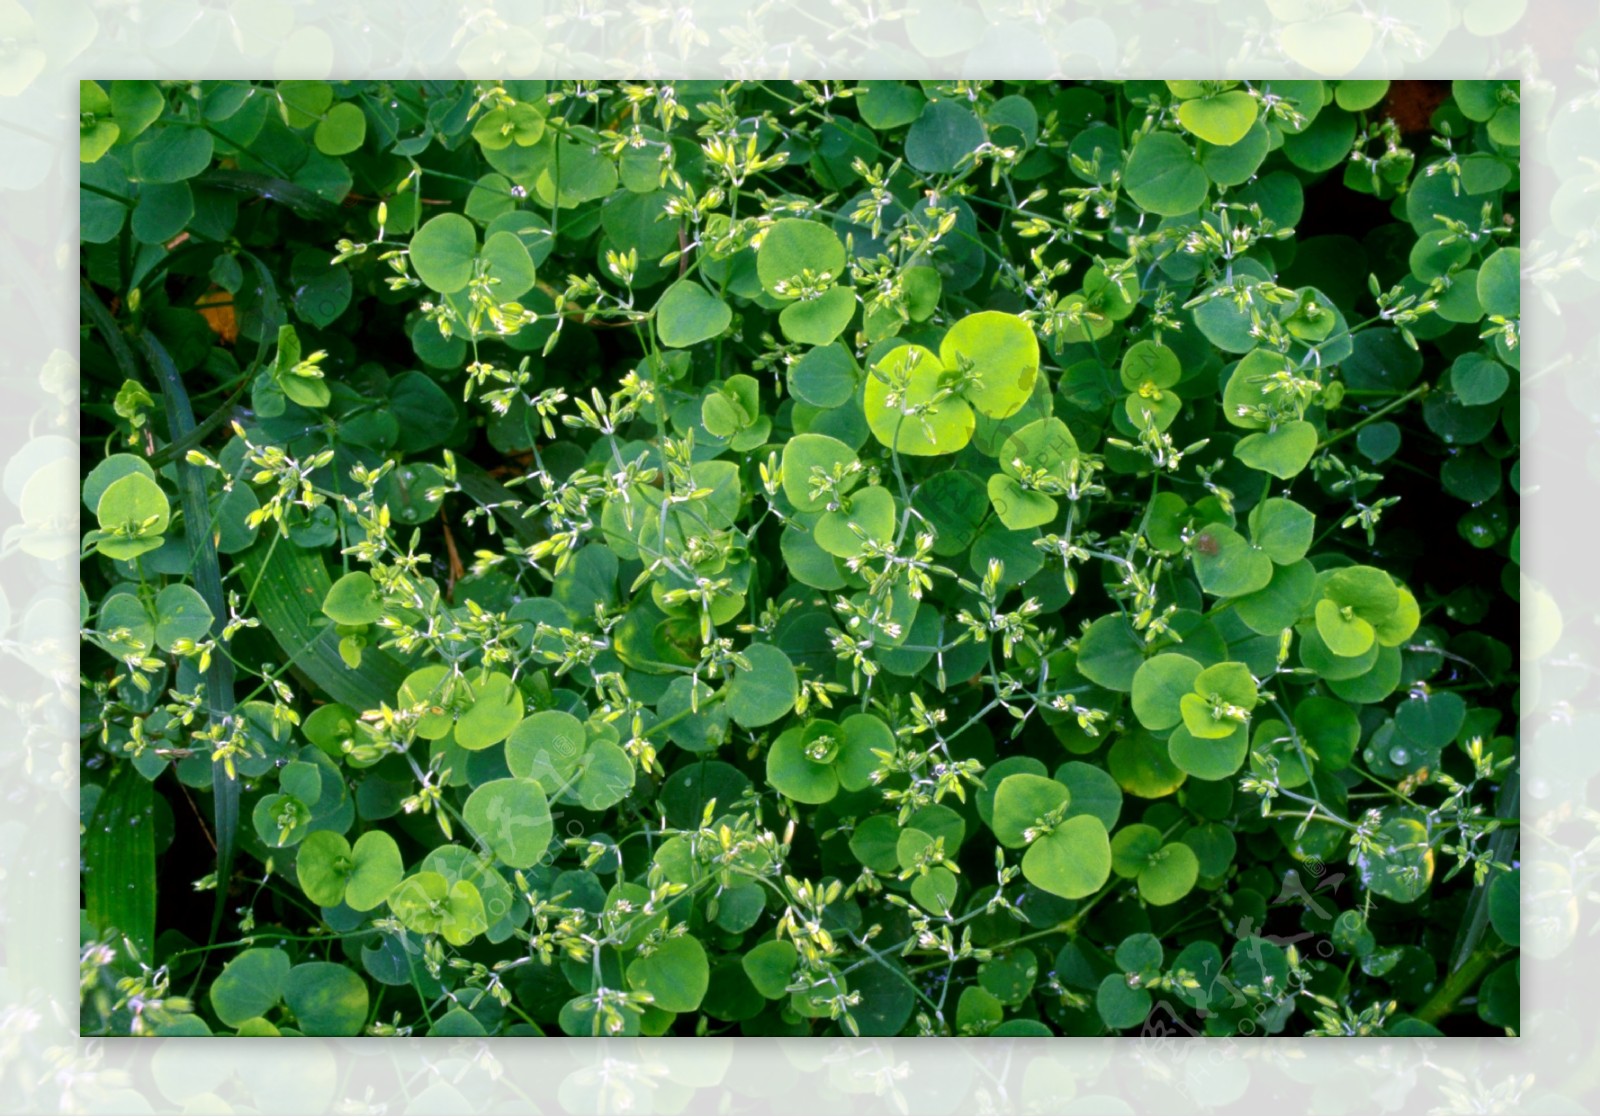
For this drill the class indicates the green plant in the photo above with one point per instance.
(785, 558)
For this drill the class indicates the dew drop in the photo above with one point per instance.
(1398, 755)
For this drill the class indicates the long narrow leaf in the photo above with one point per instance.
(119, 860)
(290, 584)
(208, 582)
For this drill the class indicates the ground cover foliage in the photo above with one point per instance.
(799, 558)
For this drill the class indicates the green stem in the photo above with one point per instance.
(1457, 985)
(1420, 389)
(177, 448)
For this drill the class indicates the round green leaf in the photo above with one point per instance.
(1399, 864)
(321, 290)
(805, 453)
(1004, 354)
(1330, 730)
(819, 320)
(512, 817)
(1170, 875)
(97, 131)
(162, 211)
(605, 777)
(793, 772)
(443, 251)
(766, 691)
(1158, 685)
(546, 747)
(770, 967)
(1020, 802)
(1282, 452)
(1141, 765)
(135, 512)
(1505, 906)
(865, 735)
(495, 711)
(181, 614)
(700, 725)
(936, 890)
(1110, 652)
(944, 133)
(888, 104)
(281, 821)
(342, 131)
(1140, 953)
(1311, 317)
(1019, 508)
(1213, 758)
(427, 688)
(1316, 655)
(509, 266)
(914, 423)
(1367, 590)
(1478, 380)
(1120, 1005)
(1500, 283)
(1236, 164)
(1431, 719)
(871, 511)
(1345, 633)
(808, 563)
(1132, 849)
(1252, 378)
(1230, 681)
(376, 870)
(1226, 565)
(793, 246)
(1379, 441)
(875, 843)
(1353, 96)
(323, 866)
(823, 377)
(302, 103)
(676, 974)
(1223, 119)
(1072, 861)
(110, 469)
(688, 314)
(1149, 363)
(953, 504)
(1044, 444)
(1163, 176)
(457, 1022)
(327, 999)
(1094, 791)
(418, 900)
(250, 985)
(1325, 144)
(1379, 681)
(1214, 848)
(172, 152)
(1283, 529)
(739, 908)
(354, 599)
